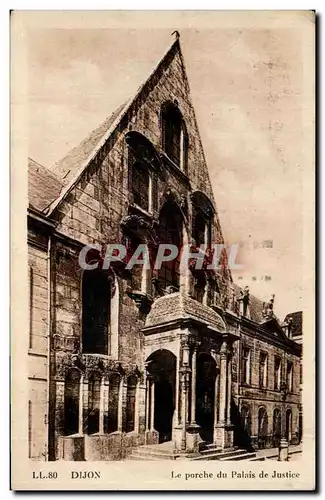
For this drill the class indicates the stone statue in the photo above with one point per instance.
(268, 308)
(244, 298)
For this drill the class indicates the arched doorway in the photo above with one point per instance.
(71, 402)
(245, 415)
(161, 366)
(276, 427)
(205, 395)
(262, 428)
(289, 426)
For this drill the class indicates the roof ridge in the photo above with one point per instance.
(117, 119)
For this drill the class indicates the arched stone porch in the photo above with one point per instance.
(201, 346)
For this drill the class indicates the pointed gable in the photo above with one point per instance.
(169, 81)
(67, 168)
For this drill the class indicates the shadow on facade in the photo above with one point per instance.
(242, 437)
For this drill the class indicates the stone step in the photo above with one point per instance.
(146, 458)
(151, 455)
(243, 456)
(219, 454)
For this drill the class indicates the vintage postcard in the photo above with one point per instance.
(162, 168)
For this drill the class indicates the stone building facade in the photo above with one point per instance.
(120, 358)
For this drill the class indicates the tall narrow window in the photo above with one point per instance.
(174, 135)
(276, 427)
(290, 376)
(199, 230)
(277, 373)
(93, 403)
(170, 231)
(246, 366)
(141, 185)
(300, 374)
(246, 419)
(262, 428)
(289, 425)
(95, 312)
(130, 403)
(113, 403)
(263, 370)
(71, 402)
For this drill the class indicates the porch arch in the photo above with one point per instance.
(161, 392)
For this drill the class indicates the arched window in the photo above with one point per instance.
(276, 427)
(93, 403)
(113, 399)
(199, 229)
(130, 403)
(170, 231)
(71, 402)
(174, 138)
(262, 428)
(141, 185)
(245, 415)
(96, 312)
(202, 219)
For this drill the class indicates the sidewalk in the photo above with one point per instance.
(272, 453)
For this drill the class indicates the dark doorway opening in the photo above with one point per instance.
(205, 396)
(289, 426)
(162, 368)
(276, 427)
(262, 428)
(71, 402)
(164, 409)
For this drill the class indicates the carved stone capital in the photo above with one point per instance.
(142, 300)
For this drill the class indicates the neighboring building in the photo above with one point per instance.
(292, 325)
(121, 358)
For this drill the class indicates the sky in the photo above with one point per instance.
(246, 88)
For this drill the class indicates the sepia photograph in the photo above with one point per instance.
(168, 204)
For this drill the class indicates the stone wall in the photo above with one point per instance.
(38, 352)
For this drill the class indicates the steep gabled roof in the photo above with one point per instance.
(256, 307)
(43, 186)
(67, 167)
(75, 163)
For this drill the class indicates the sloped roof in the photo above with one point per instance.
(296, 323)
(68, 166)
(72, 166)
(175, 306)
(43, 186)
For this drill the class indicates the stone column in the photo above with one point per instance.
(85, 405)
(101, 406)
(229, 391)
(223, 383)
(120, 406)
(106, 402)
(184, 373)
(216, 398)
(137, 407)
(147, 402)
(220, 437)
(152, 405)
(185, 386)
(81, 405)
(176, 418)
(193, 386)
